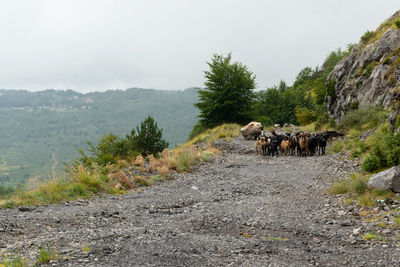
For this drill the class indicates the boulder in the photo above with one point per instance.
(390, 41)
(388, 180)
(252, 130)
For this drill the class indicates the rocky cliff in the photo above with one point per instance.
(370, 75)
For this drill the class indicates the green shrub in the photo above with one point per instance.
(305, 116)
(371, 163)
(354, 105)
(12, 260)
(46, 255)
(362, 119)
(386, 61)
(359, 83)
(336, 147)
(368, 69)
(330, 89)
(264, 120)
(358, 186)
(384, 149)
(146, 140)
(397, 23)
(323, 119)
(397, 123)
(367, 36)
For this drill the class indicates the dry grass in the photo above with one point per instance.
(139, 161)
(81, 182)
(121, 179)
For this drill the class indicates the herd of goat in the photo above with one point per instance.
(300, 143)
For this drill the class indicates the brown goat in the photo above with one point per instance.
(285, 147)
(303, 144)
(258, 145)
(264, 146)
(292, 145)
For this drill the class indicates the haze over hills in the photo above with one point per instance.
(41, 128)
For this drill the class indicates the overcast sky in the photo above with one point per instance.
(96, 45)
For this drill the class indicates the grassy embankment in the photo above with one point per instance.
(377, 152)
(81, 182)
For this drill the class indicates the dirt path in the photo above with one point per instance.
(237, 210)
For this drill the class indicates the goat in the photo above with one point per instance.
(312, 144)
(285, 147)
(303, 144)
(273, 145)
(258, 146)
(292, 145)
(321, 144)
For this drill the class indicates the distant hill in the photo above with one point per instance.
(39, 128)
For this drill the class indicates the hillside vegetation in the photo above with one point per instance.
(41, 129)
(83, 180)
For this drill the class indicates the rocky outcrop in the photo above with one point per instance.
(387, 180)
(251, 130)
(370, 75)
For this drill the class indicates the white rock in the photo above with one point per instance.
(387, 180)
(194, 187)
(356, 231)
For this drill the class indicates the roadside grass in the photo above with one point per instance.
(371, 236)
(276, 238)
(46, 254)
(86, 248)
(12, 260)
(81, 183)
(378, 151)
(355, 188)
(225, 131)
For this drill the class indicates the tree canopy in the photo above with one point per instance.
(228, 92)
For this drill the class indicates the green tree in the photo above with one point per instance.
(107, 151)
(145, 140)
(228, 93)
(148, 139)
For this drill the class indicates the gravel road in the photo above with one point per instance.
(238, 210)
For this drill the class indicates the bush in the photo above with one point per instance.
(371, 163)
(305, 116)
(367, 36)
(330, 89)
(323, 119)
(354, 105)
(146, 140)
(368, 69)
(397, 23)
(384, 149)
(362, 118)
(264, 120)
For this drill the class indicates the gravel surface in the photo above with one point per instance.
(238, 210)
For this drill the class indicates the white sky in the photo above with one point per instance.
(95, 45)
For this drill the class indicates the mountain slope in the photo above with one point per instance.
(370, 75)
(40, 128)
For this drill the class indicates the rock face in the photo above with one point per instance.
(370, 75)
(388, 180)
(251, 130)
